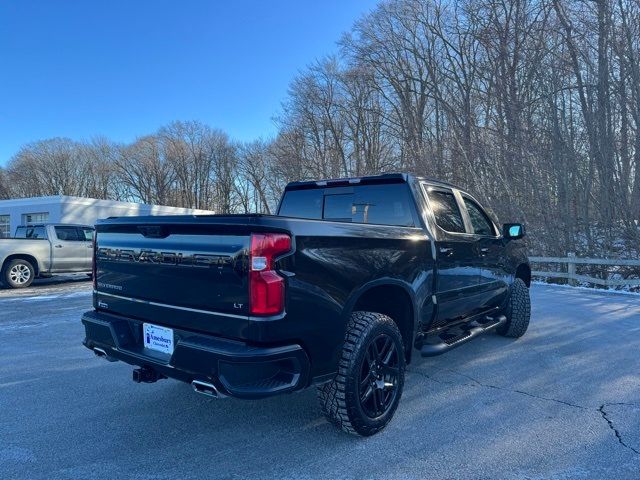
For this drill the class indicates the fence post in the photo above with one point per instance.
(571, 269)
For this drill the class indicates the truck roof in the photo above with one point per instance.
(55, 225)
(365, 180)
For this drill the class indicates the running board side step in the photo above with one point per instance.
(476, 329)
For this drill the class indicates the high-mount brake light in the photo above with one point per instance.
(266, 287)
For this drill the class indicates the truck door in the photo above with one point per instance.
(68, 249)
(86, 234)
(458, 269)
(493, 268)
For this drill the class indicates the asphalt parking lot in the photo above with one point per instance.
(563, 402)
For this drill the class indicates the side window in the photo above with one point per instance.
(479, 219)
(40, 217)
(86, 234)
(68, 234)
(5, 226)
(445, 208)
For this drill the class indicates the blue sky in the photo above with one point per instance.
(124, 68)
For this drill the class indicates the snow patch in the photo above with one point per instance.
(39, 298)
(587, 289)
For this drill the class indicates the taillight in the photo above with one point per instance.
(94, 270)
(266, 287)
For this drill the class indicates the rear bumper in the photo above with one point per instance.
(235, 368)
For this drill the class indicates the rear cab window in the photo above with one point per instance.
(32, 232)
(378, 204)
(302, 204)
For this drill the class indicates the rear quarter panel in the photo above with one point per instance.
(333, 264)
(38, 249)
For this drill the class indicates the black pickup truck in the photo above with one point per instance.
(335, 291)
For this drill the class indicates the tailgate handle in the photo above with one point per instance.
(153, 231)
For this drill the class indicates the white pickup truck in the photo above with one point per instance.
(44, 250)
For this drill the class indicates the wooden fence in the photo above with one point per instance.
(570, 271)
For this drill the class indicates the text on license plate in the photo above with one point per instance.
(158, 338)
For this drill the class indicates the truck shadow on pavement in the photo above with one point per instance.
(494, 402)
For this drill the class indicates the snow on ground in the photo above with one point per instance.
(49, 288)
(588, 289)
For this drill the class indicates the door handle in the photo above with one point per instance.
(58, 246)
(446, 250)
(484, 250)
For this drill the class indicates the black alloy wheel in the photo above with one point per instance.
(379, 376)
(366, 391)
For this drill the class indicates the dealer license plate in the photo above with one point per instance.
(158, 338)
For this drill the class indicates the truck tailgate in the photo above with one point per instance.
(183, 275)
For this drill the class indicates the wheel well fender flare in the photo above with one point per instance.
(22, 256)
(523, 272)
(361, 292)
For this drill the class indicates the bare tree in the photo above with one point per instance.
(144, 172)
(255, 165)
(99, 157)
(5, 191)
(532, 104)
(48, 167)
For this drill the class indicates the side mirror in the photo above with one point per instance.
(513, 231)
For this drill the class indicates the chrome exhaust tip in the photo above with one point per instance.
(205, 388)
(99, 352)
(102, 353)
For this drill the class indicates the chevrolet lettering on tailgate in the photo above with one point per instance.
(164, 258)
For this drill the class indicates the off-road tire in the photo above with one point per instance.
(12, 268)
(340, 398)
(517, 310)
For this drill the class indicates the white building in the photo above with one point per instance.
(64, 209)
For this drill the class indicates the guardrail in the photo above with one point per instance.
(571, 261)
